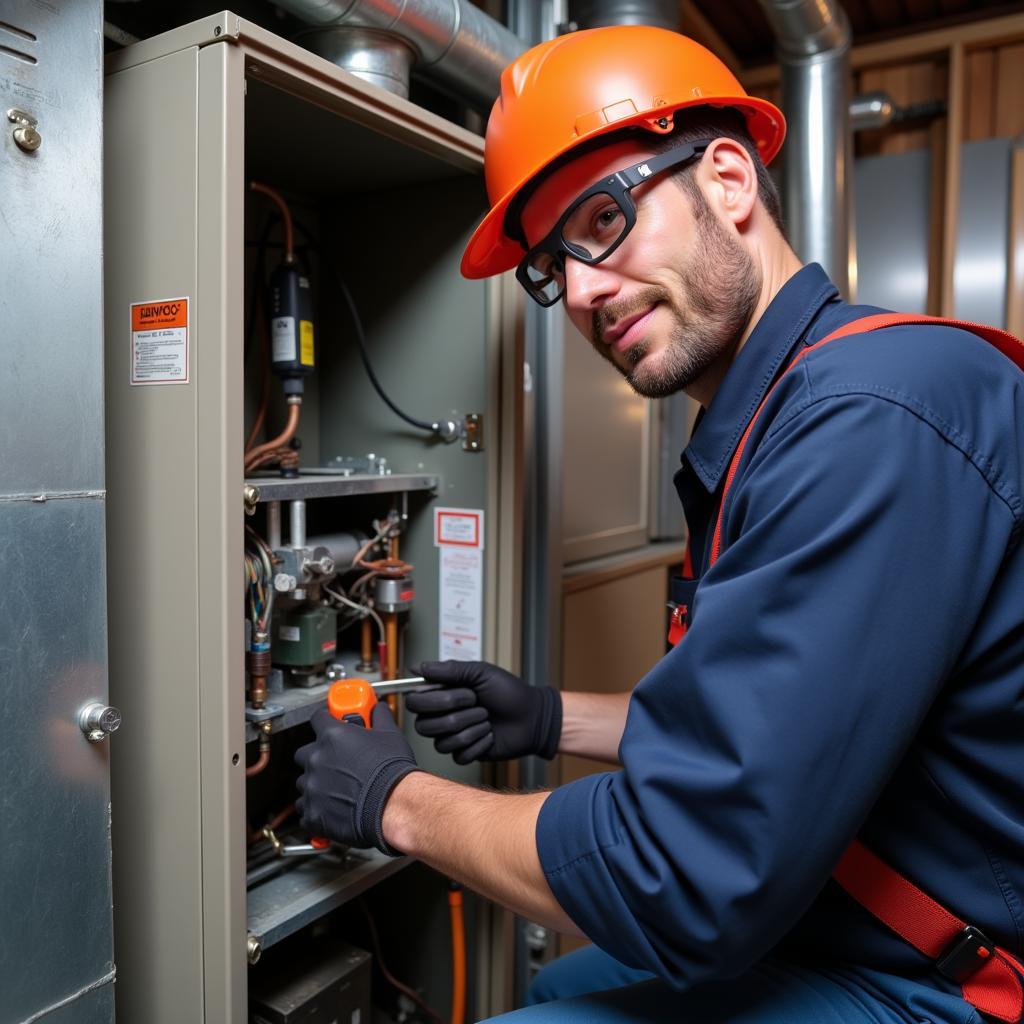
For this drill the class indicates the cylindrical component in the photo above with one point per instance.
(393, 594)
(297, 522)
(390, 669)
(291, 322)
(253, 949)
(599, 13)
(366, 647)
(456, 44)
(813, 45)
(458, 953)
(343, 546)
(258, 663)
(381, 58)
(274, 524)
(871, 110)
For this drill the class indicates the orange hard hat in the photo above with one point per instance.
(582, 85)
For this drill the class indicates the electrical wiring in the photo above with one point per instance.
(363, 609)
(357, 323)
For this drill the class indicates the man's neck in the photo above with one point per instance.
(778, 265)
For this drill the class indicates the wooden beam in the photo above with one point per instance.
(695, 24)
(1015, 265)
(951, 199)
(986, 32)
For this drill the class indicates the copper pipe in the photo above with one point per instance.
(286, 215)
(264, 758)
(393, 547)
(365, 646)
(282, 439)
(257, 691)
(390, 670)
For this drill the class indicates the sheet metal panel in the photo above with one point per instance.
(56, 934)
(983, 232)
(51, 388)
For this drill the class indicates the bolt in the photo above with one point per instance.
(283, 583)
(253, 949)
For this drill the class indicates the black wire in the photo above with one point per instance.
(364, 352)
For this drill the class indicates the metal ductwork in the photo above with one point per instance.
(454, 43)
(813, 47)
(599, 13)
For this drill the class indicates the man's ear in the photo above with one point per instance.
(730, 181)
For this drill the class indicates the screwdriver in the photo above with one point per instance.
(353, 700)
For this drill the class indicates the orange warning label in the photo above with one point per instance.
(147, 316)
(159, 336)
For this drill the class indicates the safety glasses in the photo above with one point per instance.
(595, 224)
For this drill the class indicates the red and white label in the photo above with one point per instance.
(459, 536)
(159, 332)
(458, 527)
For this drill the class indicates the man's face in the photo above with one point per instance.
(673, 300)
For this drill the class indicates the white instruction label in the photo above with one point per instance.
(159, 332)
(290, 633)
(282, 339)
(459, 536)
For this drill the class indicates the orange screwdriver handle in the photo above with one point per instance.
(352, 700)
(349, 700)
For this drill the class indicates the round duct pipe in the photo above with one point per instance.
(813, 45)
(452, 42)
(599, 13)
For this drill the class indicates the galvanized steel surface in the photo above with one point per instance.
(457, 45)
(56, 945)
(813, 44)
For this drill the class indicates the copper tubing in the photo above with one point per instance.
(264, 758)
(257, 691)
(254, 457)
(458, 953)
(286, 216)
(366, 646)
(393, 547)
(389, 670)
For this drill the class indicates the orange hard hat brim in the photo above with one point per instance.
(491, 251)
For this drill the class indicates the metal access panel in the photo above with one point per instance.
(56, 948)
(393, 191)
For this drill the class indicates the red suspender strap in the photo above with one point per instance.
(677, 620)
(962, 953)
(1010, 346)
(986, 972)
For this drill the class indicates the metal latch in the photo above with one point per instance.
(25, 135)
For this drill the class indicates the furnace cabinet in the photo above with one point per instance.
(390, 192)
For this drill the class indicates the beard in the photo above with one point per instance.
(721, 284)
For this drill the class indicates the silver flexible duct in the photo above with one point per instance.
(813, 47)
(456, 44)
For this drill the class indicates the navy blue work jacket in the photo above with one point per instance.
(855, 665)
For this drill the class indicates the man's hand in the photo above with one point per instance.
(348, 773)
(486, 713)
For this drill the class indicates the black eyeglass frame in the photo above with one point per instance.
(618, 187)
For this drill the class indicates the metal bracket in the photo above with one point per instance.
(474, 433)
(264, 714)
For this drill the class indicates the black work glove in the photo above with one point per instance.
(348, 773)
(486, 713)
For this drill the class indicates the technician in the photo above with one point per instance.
(848, 701)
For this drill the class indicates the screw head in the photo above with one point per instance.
(27, 138)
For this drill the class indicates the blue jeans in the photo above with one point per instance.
(589, 987)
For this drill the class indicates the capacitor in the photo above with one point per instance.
(291, 322)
